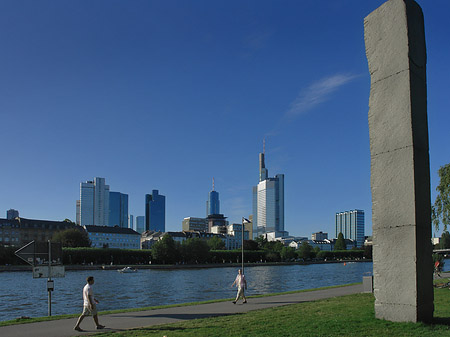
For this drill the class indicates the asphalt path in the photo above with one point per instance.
(138, 319)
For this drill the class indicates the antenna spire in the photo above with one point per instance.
(213, 185)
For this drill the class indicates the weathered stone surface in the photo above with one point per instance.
(400, 177)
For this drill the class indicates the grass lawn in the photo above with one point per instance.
(343, 316)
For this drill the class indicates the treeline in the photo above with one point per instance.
(194, 251)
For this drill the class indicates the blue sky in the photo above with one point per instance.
(169, 94)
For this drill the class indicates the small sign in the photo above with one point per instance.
(46, 272)
(50, 285)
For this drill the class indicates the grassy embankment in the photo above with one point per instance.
(351, 315)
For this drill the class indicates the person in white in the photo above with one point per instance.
(89, 305)
(241, 283)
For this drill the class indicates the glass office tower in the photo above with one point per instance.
(118, 209)
(155, 211)
(351, 225)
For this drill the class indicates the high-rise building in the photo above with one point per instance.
(78, 214)
(191, 224)
(351, 225)
(268, 202)
(118, 209)
(213, 203)
(155, 212)
(94, 203)
(130, 221)
(12, 214)
(140, 224)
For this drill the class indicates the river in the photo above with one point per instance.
(21, 295)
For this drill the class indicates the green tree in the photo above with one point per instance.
(216, 243)
(165, 251)
(287, 253)
(440, 212)
(195, 250)
(340, 243)
(444, 242)
(250, 245)
(72, 238)
(305, 251)
(261, 241)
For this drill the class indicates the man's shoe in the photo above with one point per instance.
(234, 302)
(245, 301)
(100, 327)
(77, 328)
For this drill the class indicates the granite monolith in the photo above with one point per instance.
(400, 171)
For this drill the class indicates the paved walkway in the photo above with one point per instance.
(129, 320)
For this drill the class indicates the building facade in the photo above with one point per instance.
(268, 202)
(155, 211)
(118, 209)
(140, 224)
(351, 225)
(130, 221)
(191, 224)
(319, 236)
(213, 203)
(12, 214)
(113, 237)
(94, 203)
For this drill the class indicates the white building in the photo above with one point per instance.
(268, 202)
(94, 203)
(113, 237)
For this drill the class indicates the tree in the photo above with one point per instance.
(444, 242)
(250, 245)
(195, 250)
(340, 243)
(216, 243)
(305, 251)
(165, 250)
(261, 241)
(287, 253)
(72, 238)
(440, 212)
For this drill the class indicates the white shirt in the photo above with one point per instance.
(87, 290)
(240, 280)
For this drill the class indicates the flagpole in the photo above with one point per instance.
(242, 245)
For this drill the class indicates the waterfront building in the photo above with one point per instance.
(216, 220)
(213, 203)
(113, 237)
(351, 225)
(78, 213)
(235, 233)
(130, 221)
(319, 236)
(118, 209)
(155, 211)
(140, 224)
(268, 202)
(12, 214)
(18, 232)
(190, 224)
(94, 203)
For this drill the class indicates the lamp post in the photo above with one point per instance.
(244, 221)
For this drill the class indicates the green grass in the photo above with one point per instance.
(52, 318)
(351, 315)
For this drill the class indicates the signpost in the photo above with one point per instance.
(46, 259)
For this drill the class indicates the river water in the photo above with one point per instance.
(21, 295)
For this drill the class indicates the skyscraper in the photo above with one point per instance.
(155, 211)
(94, 203)
(268, 202)
(140, 224)
(12, 214)
(213, 203)
(118, 209)
(130, 221)
(351, 225)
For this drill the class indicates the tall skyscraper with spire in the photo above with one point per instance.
(213, 203)
(268, 202)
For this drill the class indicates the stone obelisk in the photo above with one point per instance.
(400, 171)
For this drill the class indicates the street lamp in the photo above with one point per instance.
(244, 221)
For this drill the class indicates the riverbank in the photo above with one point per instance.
(17, 268)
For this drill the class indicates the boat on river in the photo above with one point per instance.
(127, 270)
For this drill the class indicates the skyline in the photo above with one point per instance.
(167, 95)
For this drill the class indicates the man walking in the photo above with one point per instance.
(89, 305)
(241, 283)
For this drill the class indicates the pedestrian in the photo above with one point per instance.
(89, 305)
(241, 283)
